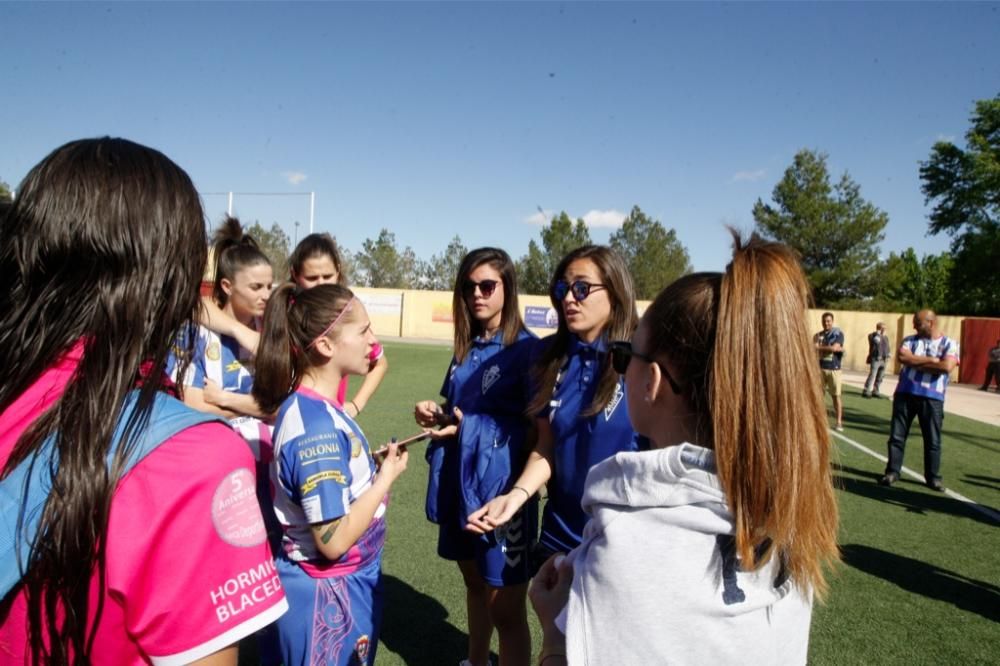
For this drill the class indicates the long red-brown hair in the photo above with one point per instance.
(739, 343)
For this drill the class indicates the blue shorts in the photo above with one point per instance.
(502, 556)
(330, 620)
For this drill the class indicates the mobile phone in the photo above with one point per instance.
(443, 418)
(403, 442)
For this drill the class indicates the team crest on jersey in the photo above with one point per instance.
(355, 445)
(234, 366)
(490, 377)
(361, 648)
(613, 403)
(214, 351)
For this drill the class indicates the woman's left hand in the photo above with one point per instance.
(549, 594)
(213, 394)
(450, 430)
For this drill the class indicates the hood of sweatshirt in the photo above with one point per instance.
(678, 477)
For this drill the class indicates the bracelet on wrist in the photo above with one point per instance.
(527, 495)
(357, 410)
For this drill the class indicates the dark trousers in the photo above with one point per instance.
(930, 415)
(992, 375)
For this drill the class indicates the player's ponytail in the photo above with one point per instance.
(770, 435)
(233, 250)
(748, 371)
(294, 319)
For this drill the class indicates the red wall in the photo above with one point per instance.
(978, 337)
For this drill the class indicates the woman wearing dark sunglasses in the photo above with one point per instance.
(580, 404)
(480, 450)
(721, 534)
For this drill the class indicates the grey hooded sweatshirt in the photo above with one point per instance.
(657, 581)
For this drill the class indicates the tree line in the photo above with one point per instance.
(835, 230)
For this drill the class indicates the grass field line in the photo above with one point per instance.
(976, 506)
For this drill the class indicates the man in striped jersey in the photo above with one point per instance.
(927, 358)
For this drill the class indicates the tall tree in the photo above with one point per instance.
(440, 271)
(907, 284)
(381, 264)
(654, 255)
(832, 227)
(5, 195)
(559, 238)
(964, 187)
(274, 243)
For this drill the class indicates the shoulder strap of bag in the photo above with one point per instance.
(28, 486)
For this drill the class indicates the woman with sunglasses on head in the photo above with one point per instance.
(330, 496)
(102, 257)
(481, 450)
(314, 261)
(712, 545)
(580, 403)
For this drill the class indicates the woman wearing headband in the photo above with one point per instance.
(329, 495)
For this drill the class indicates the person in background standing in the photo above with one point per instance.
(927, 358)
(992, 369)
(830, 346)
(878, 356)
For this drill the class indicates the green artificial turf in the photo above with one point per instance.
(920, 581)
(919, 584)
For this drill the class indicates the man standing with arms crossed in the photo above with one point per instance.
(927, 358)
(878, 355)
(830, 346)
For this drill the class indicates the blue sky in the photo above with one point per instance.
(437, 119)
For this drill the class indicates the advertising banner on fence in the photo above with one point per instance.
(540, 317)
(383, 304)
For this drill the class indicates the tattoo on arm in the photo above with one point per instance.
(328, 530)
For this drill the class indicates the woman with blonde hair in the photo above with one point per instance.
(712, 545)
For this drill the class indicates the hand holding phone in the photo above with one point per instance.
(380, 454)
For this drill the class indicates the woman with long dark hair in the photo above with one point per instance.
(480, 451)
(101, 263)
(710, 547)
(330, 495)
(580, 404)
(315, 260)
(220, 375)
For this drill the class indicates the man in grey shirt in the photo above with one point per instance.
(878, 356)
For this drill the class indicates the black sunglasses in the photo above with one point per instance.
(622, 353)
(579, 288)
(486, 287)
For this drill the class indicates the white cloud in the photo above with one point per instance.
(540, 218)
(595, 218)
(749, 176)
(604, 218)
(294, 177)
